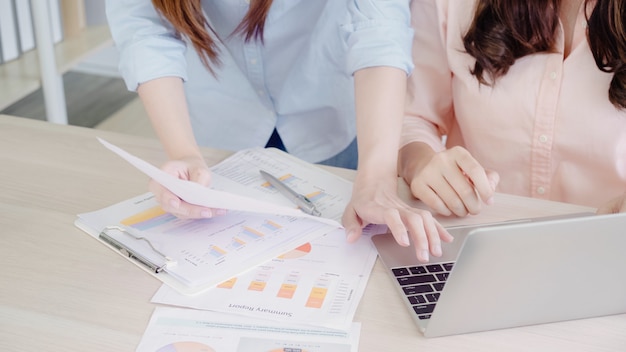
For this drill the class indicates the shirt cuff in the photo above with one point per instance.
(415, 129)
(379, 43)
(151, 59)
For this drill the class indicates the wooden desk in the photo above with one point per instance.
(62, 291)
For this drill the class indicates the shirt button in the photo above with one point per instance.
(260, 92)
(552, 75)
(541, 190)
(247, 1)
(253, 61)
(584, 24)
(543, 138)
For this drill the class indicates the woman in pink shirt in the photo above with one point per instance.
(528, 96)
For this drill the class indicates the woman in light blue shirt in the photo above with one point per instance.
(301, 78)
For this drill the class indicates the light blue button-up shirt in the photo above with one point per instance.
(298, 80)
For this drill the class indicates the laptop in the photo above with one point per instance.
(514, 274)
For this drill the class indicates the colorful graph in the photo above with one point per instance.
(148, 219)
(297, 253)
(316, 196)
(289, 285)
(217, 251)
(260, 280)
(228, 283)
(318, 293)
(237, 243)
(252, 233)
(186, 346)
(271, 225)
(287, 178)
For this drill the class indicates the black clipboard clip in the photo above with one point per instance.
(124, 250)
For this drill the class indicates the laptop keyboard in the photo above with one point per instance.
(422, 285)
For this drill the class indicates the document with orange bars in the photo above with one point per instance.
(319, 283)
(192, 256)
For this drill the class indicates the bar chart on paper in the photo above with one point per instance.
(219, 240)
(202, 252)
(319, 282)
(326, 202)
(329, 193)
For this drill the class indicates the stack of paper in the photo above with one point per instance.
(263, 259)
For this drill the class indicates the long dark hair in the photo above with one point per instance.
(188, 19)
(505, 30)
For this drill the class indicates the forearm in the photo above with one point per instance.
(413, 157)
(166, 106)
(379, 95)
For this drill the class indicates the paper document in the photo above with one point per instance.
(175, 329)
(205, 251)
(194, 255)
(319, 283)
(197, 194)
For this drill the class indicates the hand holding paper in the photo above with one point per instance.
(195, 193)
(192, 169)
(261, 225)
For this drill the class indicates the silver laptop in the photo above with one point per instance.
(514, 274)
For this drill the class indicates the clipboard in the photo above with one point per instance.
(244, 240)
(182, 267)
(155, 268)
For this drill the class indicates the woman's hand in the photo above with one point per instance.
(191, 169)
(378, 203)
(166, 105)
(615, 205)
(450, 181)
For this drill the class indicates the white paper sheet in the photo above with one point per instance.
(206, 251)
(320, 283)
(175, 329)
(210, 251)
(197, 194)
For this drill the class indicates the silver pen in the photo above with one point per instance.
(304, 203)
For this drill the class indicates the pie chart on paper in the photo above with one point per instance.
(298, 252)
(186, 346)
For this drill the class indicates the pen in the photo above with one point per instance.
(300, 200)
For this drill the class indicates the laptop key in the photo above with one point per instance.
(424, 308)
(448, 266)
(425, 316)
(432, 297)
(416, 270)
(418, 299)
(416, 290)
(401, 271)
(418, 279)
(434, 268)
(439, 286)
(442, 276)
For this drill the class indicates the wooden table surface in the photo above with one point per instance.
(60, 290)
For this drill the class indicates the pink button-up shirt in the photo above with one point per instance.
(547, 126)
